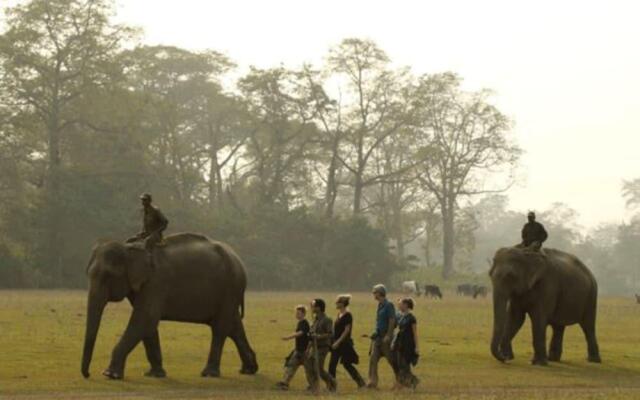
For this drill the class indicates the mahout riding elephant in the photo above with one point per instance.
(191, 279)
(554, 288)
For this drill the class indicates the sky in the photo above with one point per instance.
(567, 72)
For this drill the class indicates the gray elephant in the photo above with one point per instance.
(554, 288)
(191, 279)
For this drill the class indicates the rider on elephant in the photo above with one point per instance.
(533, 233)
(153, 224)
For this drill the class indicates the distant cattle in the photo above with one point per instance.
(479, 290)
(466, 289)
(432, 291)
(411, 287)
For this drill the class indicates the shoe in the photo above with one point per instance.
(282, 386)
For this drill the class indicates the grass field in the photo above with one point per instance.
(41, 335)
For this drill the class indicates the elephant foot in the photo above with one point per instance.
(553, 357)
(156, 373)
(248, 370)
(594, 359)
(507, 354)
(210, 372)
(540, 361)
(114, 375)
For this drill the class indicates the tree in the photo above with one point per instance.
(378, 100)
(463, 137)
(283, 109)
(51, 53)
(631, 193)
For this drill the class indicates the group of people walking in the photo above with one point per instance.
(327, 338)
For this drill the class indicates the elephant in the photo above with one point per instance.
(187, 278)
(551, 286)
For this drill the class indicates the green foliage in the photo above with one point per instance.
(297, 250)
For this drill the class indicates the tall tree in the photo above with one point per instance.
(51, 52)
(284, 108)
(376, 108)
(465, 137)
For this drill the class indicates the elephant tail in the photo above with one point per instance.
(242, 305)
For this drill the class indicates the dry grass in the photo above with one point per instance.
(41, 341)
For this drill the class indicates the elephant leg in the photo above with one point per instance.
(539, 333)
(140, 325)
(555, 347)
(589, 329)
(154, 355)
(247, 355)
(218, 338)
(515, 321)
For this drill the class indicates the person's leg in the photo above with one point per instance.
(310, 372)
(385, 350)
(293, 363)
(328, 379)
(373, 364)
(354, 374)
(333, 363)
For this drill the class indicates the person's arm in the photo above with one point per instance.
(164, 222)
(414, 328)
(392, 326)
(545, 235)
(524, 234)
(293, 336)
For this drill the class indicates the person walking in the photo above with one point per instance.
(405, 344)
(295, 359)
(382, 336)
(319, 347)
(342, 349)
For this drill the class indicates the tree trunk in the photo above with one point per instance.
(53, 205)
(448, 238)
(357, 194)
(332, 186)
(215, 185)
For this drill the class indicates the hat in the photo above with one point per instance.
(380, 289)
(145, 196)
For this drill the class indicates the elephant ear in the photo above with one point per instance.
(536, 273)
(115, 258)
(138, 269)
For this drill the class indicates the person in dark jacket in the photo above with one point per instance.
(318, 348)
(405, 344)
(342, 349)
(295, 359)
(533, 233)
(153, 224)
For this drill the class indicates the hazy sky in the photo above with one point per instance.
(567, 72)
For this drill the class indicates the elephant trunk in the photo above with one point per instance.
(95, 307)
(499, 321)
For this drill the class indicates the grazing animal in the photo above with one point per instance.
(479, 290)
(411, 287)
(554, 288)
(638, 298)
(432, 291)
(466, 289)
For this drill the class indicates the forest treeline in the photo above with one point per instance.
(334, 175)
